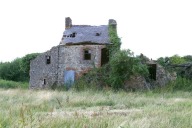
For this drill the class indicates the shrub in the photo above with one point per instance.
(182, 84)
(12, 84)
(123, 65)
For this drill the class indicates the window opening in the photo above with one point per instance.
(48, 59)
(87, 54)
(97, 34)
(73, 35)
(44, 81)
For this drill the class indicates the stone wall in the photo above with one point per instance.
(42, 74)
(72, 58)
(163, 77)
(63, 58)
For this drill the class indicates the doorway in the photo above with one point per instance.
(104, 56)
(152, 71)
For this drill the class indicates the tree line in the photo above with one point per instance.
(18, 69)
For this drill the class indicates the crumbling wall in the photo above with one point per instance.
(71, 57)
(43, 75)
(163, 77)
(63, 58)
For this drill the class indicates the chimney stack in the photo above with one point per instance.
(113, 23)
(68, 23)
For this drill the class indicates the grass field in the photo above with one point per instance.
(89, 109)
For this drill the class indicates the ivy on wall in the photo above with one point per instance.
(115, 40)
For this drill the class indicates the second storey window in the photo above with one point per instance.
(87, 54)
(48, 59)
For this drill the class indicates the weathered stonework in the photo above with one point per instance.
(48, 69)
(163, 77)
(43, 74)
(73, 59)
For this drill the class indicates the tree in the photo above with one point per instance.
(176, 59)
(188, 58)
(25, 63)
(11, 70)
(18, 69)
(123, 65)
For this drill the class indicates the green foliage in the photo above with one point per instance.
(94, 109)
(12, 84)
(115, 40)
(180, 84)
(177, 60)
(114, 74)
(18, 69)
(11, 70)
(96, 79)
(188, 58)
(162, 61)
(123, 65)
(25, 63)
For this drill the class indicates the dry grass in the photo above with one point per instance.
(89, 109)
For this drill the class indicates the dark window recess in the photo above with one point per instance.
(73, 35)
(97, 34)
(87, 54)
(104, 56)
(84, 74)
(48, 59)
(152, 71)
(44, 81)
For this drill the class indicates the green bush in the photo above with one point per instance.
(18, 69)
(119, 69)
(12, 84)
(180, 84)
(123, 65)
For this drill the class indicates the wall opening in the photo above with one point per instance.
(104, 56)
(48, 59)
(97, 34)
(152, 71)
(44, 82)
(87, 54)
(73, 35)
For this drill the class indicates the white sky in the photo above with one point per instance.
(153, 27)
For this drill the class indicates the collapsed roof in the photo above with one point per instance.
(84, 34)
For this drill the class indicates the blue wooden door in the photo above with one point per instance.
(69, 78)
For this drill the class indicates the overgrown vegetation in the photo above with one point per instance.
(97, 109)
(12, 84)
(18, 69)
(180, 84)
(115, 40)
(113, 75)
(123, 65)
(182, 66)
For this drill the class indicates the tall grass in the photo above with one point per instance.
(12, 84)
(180, 84)
(95, 109)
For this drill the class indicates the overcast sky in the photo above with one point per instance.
(153, 27)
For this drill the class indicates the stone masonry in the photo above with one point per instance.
(80, 50)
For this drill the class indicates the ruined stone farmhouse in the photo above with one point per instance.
(81, 48)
